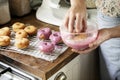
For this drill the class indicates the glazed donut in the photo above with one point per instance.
(21, 43)
(55, 38)
(44, 33)
(5, 31)
(18, 26)
(4, 40)
(46, 47)
(21, 34)
(31, 30)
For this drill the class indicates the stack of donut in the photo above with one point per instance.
(21, 34)
(4, 36)
(49, 39)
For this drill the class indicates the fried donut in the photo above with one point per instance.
(4, 40)
(21, 34)
(18, 26)
(31, 30)
(21, 43)
(44, 33)
(5, 31)
(55, 38)
(46, 47)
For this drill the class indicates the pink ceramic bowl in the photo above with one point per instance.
(79, 41)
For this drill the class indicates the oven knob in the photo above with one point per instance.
(61, 76)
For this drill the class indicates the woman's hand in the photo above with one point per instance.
(75, 18)
(103, 35)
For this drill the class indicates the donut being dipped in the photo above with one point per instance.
(46, 47)
(18, 26)
(55, 38)
(4, 40)
(21, 34)
(21, 43)
(44, 33)
(31, 30)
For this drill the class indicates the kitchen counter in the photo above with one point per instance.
(35, 66)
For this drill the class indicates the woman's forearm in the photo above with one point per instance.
(114, 32)
(78, 2)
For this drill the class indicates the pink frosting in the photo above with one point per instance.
(55, 37)
(44, 33)
(79, 45)
(46, 47)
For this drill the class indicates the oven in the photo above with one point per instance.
(8, 72)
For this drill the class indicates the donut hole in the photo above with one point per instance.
(20, 33)
(55, 35)
(18, 24)
(28, 27)
(45, 43)
(42, 30)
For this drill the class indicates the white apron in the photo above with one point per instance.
(109, 50)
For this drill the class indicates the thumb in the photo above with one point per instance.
(92, 44)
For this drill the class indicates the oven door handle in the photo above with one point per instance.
(5, 70)
(15, 71)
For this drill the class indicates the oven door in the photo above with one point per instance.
(10, 73)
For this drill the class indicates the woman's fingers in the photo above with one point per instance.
(78, 25)
(84, 24)
(71, 22)
(74, 21)
(66, 21)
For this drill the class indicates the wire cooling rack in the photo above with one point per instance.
(33, 49)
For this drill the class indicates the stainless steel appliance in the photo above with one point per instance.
(8, 72)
